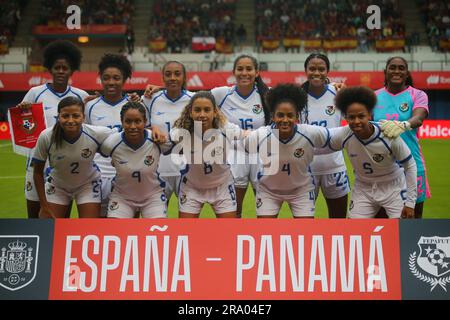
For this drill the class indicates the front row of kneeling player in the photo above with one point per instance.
(69, 146)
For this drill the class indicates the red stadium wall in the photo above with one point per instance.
(209, 80)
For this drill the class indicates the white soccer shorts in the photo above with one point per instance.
(90, 192)
(222, 198)
(301, 203)
(367, 198)
(153, 207)
(333, 185)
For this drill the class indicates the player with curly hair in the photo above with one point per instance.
(208, 180)
(291, 146)
(380, 164)
(61, 58)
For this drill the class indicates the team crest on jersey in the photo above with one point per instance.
(50, 189)
(86, 153)
(114, 205)
(29, 186)
(257, 108)
(18, 261)
(404, 107)
(258, 202)
(299, 152)
(432, 265)
(149, 160)
(183, 199)
(377, 157)
(330, 110)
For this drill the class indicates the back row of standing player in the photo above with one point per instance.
(242, 105)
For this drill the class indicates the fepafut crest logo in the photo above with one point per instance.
(330, 110)
(257, 109)
(27, 123)
(432, 265)
(18, 261)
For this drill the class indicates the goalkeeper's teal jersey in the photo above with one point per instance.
(400, 107)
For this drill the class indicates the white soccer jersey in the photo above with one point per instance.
(293, 155)
(209, 174)
(163, 111)
(137, 177)
(246, 112)
(50, 100)
(72, 164)
(376, 159)
(99, 112)
(322, 112)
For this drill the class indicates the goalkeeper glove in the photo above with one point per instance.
(393, 129)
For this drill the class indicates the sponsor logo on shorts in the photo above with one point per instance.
(114, 205)
(432, 264)
(257, 108)
(404, 107)
(299, 152)
(149, 160)
(377, 157)
(183, 199)
(18, 261)
(86, 153)
(29, 186)
(330, 110)
(258, 202)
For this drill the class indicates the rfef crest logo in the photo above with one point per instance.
(18, 261)
(432, 265)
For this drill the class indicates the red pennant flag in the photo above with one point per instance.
(25, 126)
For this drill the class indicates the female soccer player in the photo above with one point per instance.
(244, 105)
(406, 108)
(134, 155)
(379, 180)
(114, 70)
(61, 58)
(163, 109)
(69, 146)
(329, 171)
(209, 181)
(291, 146)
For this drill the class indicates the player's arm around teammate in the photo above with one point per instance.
(207, 177)
(379, 180)
(137, 188)
(69, 146)
(286, 149)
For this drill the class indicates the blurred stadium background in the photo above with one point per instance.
(207, 35)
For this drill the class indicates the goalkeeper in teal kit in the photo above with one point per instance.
(401, 110)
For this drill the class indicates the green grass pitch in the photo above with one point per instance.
(437, 156)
